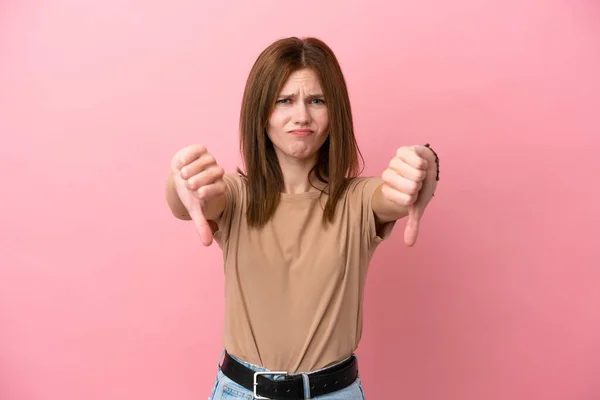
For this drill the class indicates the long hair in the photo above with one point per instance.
(338, 159)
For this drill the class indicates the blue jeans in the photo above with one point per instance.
(224, 388)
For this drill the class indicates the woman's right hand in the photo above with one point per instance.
(198, 179)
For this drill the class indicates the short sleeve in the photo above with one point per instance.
(362, 189)
(233, 202)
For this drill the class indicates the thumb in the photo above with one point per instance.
(412, 225)
(417, 209)
(202, 226)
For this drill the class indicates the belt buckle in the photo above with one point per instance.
(256, 374)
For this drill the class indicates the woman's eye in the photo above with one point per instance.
(312, 101)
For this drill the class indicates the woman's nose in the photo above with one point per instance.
(301, 114)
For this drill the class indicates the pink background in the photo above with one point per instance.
(104, 295)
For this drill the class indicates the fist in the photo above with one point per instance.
(410, 181)
(198, 179)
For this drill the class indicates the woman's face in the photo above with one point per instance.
(298, 125)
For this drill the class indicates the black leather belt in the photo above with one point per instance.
(291, 387)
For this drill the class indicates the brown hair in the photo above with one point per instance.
(338, 158)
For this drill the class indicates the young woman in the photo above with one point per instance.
(297, 228)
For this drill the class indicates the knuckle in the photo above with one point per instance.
(389, 193)
(402, 201)
(180, 161)
(385, 190)
(190, 184)
(209, 158)
(413, 187)
(202, 192)
(384, 176)
(199, 148)
(387, 175)
(185, 172)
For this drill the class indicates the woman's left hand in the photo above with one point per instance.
(410, 181)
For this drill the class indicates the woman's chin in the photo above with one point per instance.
(302, 156)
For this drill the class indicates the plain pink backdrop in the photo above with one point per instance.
(104, 295)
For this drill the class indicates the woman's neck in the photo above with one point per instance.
(297, 176)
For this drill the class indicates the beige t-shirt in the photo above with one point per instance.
(294, 288)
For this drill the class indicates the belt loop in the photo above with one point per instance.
(306, 386)
(220, 359)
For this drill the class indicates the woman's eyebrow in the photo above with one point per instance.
(294, 95)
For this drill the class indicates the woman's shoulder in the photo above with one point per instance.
(235, 177)
(236, 185)
(360, 184)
